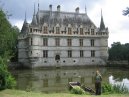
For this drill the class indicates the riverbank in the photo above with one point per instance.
(19, 93)
(121, 64)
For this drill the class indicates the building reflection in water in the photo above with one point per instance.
(55, 80)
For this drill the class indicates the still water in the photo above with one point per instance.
(56, 80)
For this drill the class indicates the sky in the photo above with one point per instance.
(111, 9)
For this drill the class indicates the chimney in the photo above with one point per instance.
(77, 10)
(58, 8)
(50, 7)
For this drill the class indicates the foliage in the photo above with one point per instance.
(77, 90)
(8, 35)
(126, 12)
(109, 89)
(6, 79)
(119, 51)
(120, 89)
(8, 40)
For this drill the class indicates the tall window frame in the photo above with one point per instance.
(81, 53)
(57, 41)
(92, 32)
(69, 30)
(92, 42)
(45, 41)
(69, 53)
(45, 53)
(45, 29)
(69, 42)
(92, 53)
(81, 42)
(81, 31)
(57, 30)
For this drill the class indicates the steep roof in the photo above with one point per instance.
(63, 18)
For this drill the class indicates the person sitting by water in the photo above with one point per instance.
(98, 80)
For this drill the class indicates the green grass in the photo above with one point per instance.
(18, 93)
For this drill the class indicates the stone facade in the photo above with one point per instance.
(57, 38)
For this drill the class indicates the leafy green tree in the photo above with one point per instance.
(8, 42)
(119, 51)
(126, 11)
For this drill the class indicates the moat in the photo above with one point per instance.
(56, 80)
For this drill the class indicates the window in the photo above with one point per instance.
(45, 29)
(45, 53)
(31, 29)
(69, 41)
(69, 31)
(92, 32)
(81, 42)
(92, 53)
(92, 42)
(31, 41)
(57, 42)
(69, 53)
(81, 53)
(81, 31)
(45, 42)
(57, 30)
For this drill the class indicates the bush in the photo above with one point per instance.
(77, 90)
(6, 79)
(109, 89)
(120, 88)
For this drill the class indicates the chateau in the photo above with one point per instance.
(58, 38)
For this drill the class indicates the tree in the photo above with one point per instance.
(119, 51)
(126, 11)
(8, 41)
(8, 35)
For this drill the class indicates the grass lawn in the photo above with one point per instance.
(19, 93)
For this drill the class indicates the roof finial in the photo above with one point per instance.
(34, 8)
(102, 25)
(38, 5)
(34, 20)
(25, 15)
(101, 13)
(25, 18)
(85, 9)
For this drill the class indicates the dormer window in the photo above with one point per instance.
(57, 30)
(81, 31)
(45, 29)
(69, 31)
(92, 32)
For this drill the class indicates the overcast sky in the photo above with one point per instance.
(112, 13)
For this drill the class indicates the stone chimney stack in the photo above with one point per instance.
(50, 7)
(77, 10)
(58, 8)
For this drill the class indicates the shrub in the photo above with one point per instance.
(6, 79)
(109, 89)
(120, 88)
(77, 90)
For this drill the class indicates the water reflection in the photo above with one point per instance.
(124, 81)
(56, 80)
